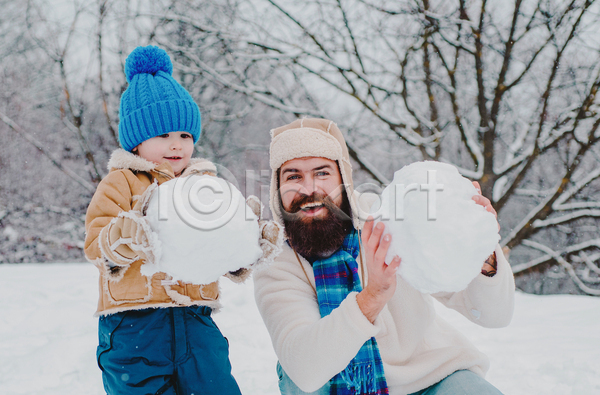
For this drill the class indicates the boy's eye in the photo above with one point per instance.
(164, 136)
(186, 136)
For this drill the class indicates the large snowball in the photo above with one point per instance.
(441, 234)
(205, 229)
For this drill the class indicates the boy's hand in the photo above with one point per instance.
(124, 240)
(124, 235)
(271, 233)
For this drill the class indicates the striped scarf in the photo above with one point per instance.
(335, 277)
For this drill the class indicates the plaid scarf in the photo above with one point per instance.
(335, 277)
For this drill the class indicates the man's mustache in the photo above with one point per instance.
(314, 200)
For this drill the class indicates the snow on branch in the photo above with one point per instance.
(566, 218)
(474, 175)
(563, 262)
(588, 260)
(254, 93)
(56, 162)
(528, 220)
(579, 185)
(221, 31)
(372, 170)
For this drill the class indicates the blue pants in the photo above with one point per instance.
(288, 387)
(462, 382)
(165, 351)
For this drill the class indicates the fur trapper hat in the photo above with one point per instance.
(310, 137)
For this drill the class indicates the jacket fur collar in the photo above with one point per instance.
(121, 159)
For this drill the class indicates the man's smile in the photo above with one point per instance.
(312, 208)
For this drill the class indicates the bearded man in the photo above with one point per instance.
(341, 320)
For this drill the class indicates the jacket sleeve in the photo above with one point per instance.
(310, 349)
(112, 197)
(487, 301)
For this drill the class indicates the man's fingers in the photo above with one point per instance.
(485, 202)
(383, 248)
(482, 200)
(375, 237)
(394, 264)
(367, 230)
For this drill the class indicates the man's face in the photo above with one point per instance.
(304, 177)
(316, 212)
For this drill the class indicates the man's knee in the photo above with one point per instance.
(463, 382)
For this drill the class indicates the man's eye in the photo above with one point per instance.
(322, 173)
(292, 177)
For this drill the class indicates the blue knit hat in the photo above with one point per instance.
(154, 103)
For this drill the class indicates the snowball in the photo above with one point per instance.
(204, 227)
(441, 234)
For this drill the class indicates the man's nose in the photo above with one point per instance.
(308, 186)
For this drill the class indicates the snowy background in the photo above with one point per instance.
(48, 337)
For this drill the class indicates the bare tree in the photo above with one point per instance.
(504, 90)
(62, 78)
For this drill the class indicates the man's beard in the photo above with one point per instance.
(317, 237)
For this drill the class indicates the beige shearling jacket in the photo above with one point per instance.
(123, 287)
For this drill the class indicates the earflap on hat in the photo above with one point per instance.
(154, 103)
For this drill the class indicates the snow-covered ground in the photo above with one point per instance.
(48, 337)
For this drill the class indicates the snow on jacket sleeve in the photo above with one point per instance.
(310, 349)
(487, 301)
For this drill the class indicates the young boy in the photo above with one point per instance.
(156, 335)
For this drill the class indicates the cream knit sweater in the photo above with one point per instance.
(418, 348)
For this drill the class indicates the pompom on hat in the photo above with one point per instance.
(154, 103)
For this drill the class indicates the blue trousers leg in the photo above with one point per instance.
(288, 387)
(168, 351)
(462, 382)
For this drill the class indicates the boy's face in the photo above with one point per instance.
(175, 148)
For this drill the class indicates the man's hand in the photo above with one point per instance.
(381, 283)
(490, 264)
(483, 201)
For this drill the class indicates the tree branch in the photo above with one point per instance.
(33, 141)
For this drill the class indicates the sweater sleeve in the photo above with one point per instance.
(112, 196)
(310, 349)
(487, 301)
